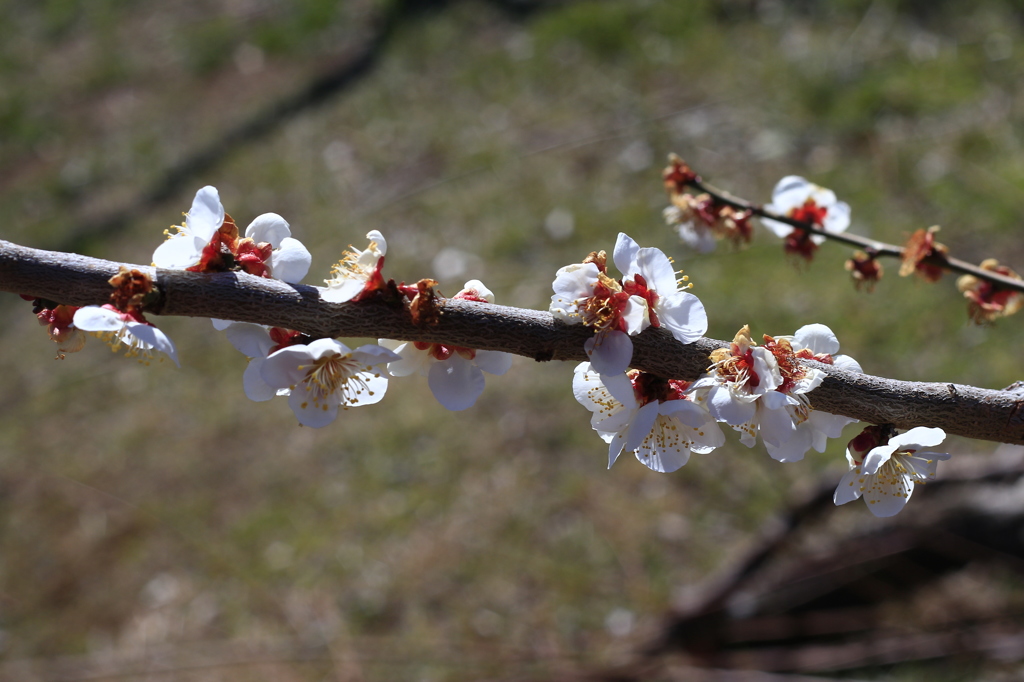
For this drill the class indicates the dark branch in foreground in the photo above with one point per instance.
(78, 280)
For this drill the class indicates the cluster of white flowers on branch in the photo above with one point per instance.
(655, 386)
(805, 215)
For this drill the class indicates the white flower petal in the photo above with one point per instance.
(256, 389)
(342, 290)
(180, 251)
(270, 228)
(377, 242)
(686, 411)
(376, 387)
(776, 426)
(877, 457)
(252, 340)
(849, 487)
(683, 314)
(456, 383)
(838, 217)
(206, 215)
(663, 450)
(636, 315)
(372, 354)
(887, 498)
(641, 425)
(657, 269)
(725, 407)
(625, 253)
(620, 388)
(476, 288)
(413, 359)
(609, 352)
(920, 436)
(310, 412)
(493, 361)
(847, 363)
(153, 338)
(96, 319)
(283, 368)
(290, 263)
(817, 338)
(321, 347)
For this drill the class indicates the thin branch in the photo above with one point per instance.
(78, 280)
(872, 246)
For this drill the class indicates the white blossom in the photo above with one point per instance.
(887, 474)
(325, 375)
(454, 374)
(129, 329)
(649, 416)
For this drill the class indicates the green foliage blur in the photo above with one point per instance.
(152, 507)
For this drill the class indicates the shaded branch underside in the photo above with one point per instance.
(78, 280)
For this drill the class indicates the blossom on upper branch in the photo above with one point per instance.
(325, 375)
(884, 469)
(799, 199)
(128, 328)
(358, 274)
(454, 374)
(988, 301)
(918, 248)
(865, 270)
(641, 413)
(700, 221)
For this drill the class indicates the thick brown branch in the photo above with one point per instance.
(78, 280)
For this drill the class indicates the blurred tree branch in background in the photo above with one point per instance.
(334, 80)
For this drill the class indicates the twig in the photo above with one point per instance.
(873, 247)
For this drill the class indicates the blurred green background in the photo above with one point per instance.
(153, 509)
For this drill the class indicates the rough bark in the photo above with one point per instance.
(996, 415)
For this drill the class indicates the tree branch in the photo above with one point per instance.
(78, 280)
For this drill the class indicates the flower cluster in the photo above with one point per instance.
(320, 377)
(760, 391)
(209, 242)
(648, 295)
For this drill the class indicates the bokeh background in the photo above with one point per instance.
(156, 512)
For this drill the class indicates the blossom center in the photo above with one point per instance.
(810, 212)
(638, 287)
(603, 310)
(649, 388)
(335, 374)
